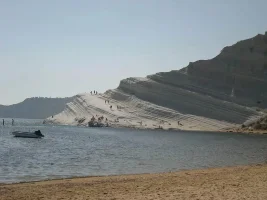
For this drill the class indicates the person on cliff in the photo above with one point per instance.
(3, 122)
(12, 122)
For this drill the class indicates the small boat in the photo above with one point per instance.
(35, 134)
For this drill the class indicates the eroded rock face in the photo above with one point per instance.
(186, 101)
(238, 74)
(224, 89)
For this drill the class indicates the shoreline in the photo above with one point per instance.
(225, 130)
(126, 174)
(237, 182)
(246, 131)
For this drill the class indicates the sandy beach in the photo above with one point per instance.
(242, 182)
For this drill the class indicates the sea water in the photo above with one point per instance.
(67, 151)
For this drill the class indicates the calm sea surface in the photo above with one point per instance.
(75, 151)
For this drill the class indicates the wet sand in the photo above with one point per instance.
(244, 182)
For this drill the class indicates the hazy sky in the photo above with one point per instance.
(60, 48)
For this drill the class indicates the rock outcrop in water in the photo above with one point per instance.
(35, 108)
(225, 91)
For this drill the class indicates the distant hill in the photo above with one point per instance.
(35, 108)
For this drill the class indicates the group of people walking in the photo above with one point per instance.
(107, 102)
(11, 122)
(95, 92)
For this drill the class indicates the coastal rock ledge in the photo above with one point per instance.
(225, 91)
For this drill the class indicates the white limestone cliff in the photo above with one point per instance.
(225, 91)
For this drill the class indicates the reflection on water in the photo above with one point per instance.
(75, 151)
